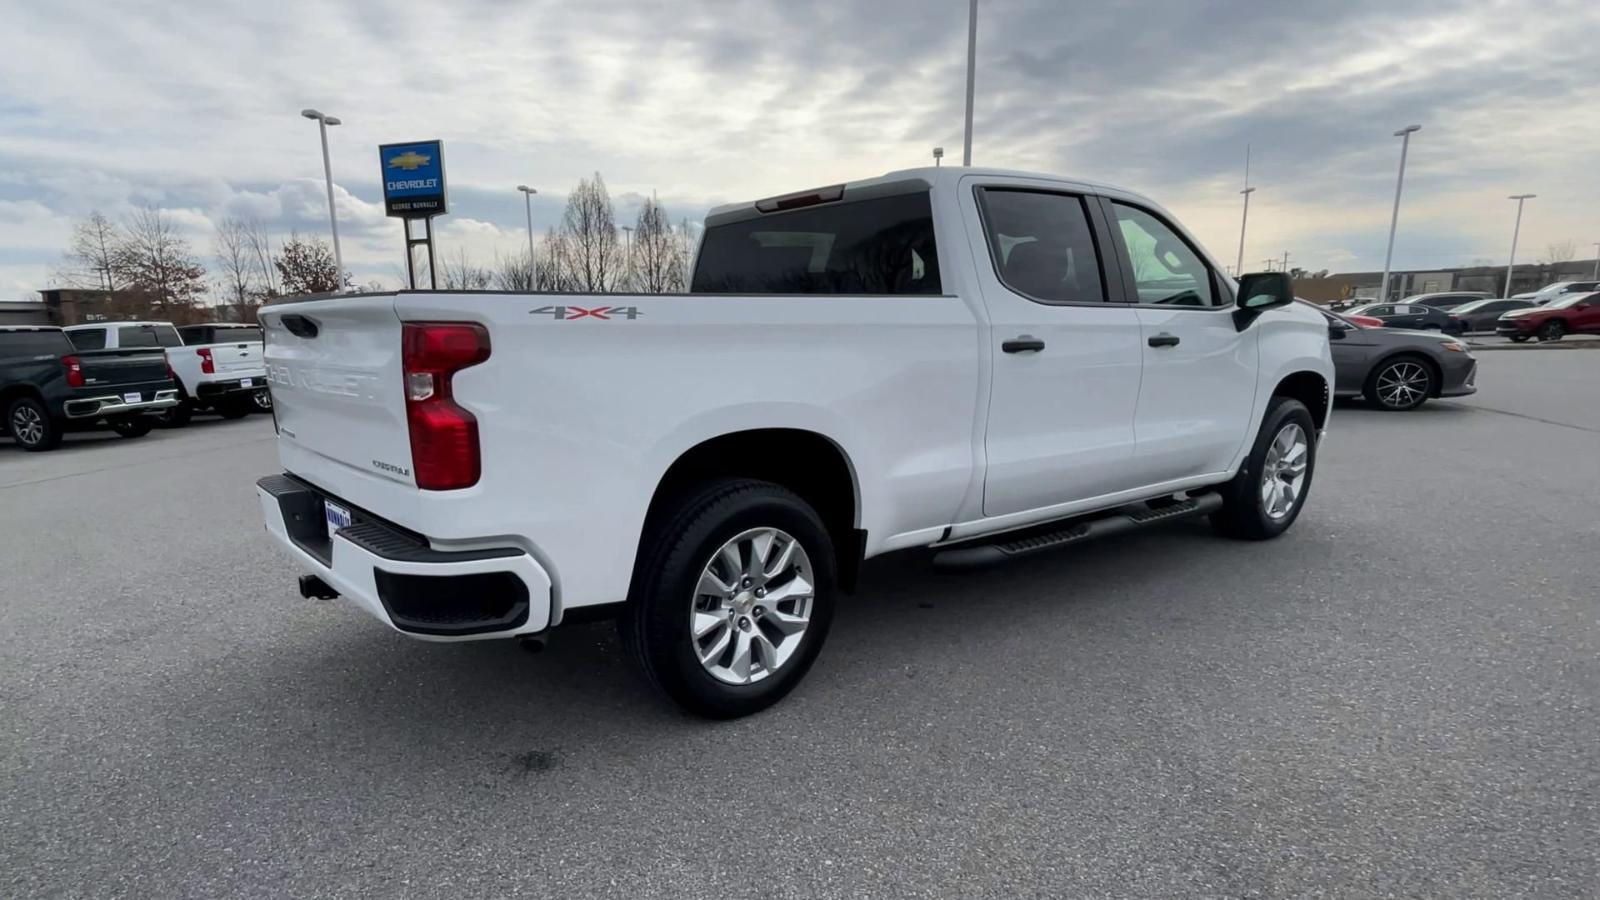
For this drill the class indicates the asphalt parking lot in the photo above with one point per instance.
(1401, 697)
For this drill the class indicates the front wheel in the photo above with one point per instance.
(132, 426)
(1400, 384)
(1265, 498)
(731, 599)
(1553, 330)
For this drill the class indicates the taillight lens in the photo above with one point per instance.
(207, 364)
(74, 370)
(171, 375)
(444, 437)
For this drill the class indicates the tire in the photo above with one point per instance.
(132, 426)
(1245, 513)
(1553, 330)
(234, 408)
(1519, 339)
(31, 425)
(176, 416)
(261, 401)
(683, 552)
(1400, 383)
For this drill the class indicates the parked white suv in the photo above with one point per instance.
(986, 362)
(217, 366)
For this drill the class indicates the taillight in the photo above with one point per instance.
(171, 375)
(74, 370)
(207, 364)
(444, 437)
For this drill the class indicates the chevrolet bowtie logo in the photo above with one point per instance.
(409, 160)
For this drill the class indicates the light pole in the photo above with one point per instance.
(938, 154)
(1515, 230)
(1243, 220)
(527, 207)
(1404, 135)
(327, 173)
(1597, 261)
(972, 70)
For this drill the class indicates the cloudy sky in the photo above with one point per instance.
(194, 106)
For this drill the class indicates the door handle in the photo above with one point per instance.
(1163, 340)
(1024, 343)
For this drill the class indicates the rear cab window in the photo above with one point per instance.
(16, 345)
(88, 338)
(194, 335)
(148, 336)
(877, 245)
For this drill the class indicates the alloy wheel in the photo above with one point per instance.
(1403, 385)
(1283, 473)
(752, 606)
(27, 425)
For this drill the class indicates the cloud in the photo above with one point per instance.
(195, 106)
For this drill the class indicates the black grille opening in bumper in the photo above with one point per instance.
(453, 604)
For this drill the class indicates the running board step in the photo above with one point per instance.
(1052, 535)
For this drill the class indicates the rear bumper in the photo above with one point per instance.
(1509, 328)
(119, 404)
(211, 390)
(399, 579)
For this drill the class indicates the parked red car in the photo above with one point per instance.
(1572, 314)
(1365, 321)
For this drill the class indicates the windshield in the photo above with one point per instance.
(1474, 306)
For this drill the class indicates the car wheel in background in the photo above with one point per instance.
(31, 425)
(262, 401)
(1553, 330)
(1401, 383)
(132, 426)
(176, 416)
(1519, 339)
(731, 599)
(1264, 499)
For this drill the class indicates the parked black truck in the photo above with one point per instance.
(48, 387)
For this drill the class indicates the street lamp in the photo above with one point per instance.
(938, 154)
(1248, 190)
(323, 122)
(1515, 230)
(972, 65)
(527, 206)
(1597, 261)
(1404, 135)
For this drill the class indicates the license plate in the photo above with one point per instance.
(131, 398)
(247, 382)
(338, 517)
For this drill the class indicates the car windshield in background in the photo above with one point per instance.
(1474, 306)
(1568, 301)
(883, 245)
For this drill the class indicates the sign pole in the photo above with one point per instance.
(414, 188)
(433, 271)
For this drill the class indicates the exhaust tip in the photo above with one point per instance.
(314, 588)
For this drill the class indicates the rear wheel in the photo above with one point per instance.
(1553, 330)
(1265, 498)
(234, 407)
(1402, 383)
(262, 400)
(732, 598)
(132, 426)
(176, 416)
(31, 425)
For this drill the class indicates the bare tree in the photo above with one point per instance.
(1561, 251)
(552, 268)
(516, 272)
(88, 263)
(460, 274)
(154, 260)
(306, 266)
(234, 263)
(657, 263)
(589, 229)
(261, 254)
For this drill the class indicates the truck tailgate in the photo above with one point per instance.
(119, 368)
(242, 358)
(337, 391)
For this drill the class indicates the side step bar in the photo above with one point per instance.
(1051, 535)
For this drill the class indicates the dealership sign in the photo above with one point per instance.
(413, 179)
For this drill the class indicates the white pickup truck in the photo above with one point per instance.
(217, 366)
(989, 363)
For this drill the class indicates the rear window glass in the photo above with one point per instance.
(879, 246)
(88, 339)
(148, 336)
(25, 344)
(218, 334)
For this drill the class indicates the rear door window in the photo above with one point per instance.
(1042, 245)
(882, 245)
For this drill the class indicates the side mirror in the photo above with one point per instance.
(1263, 290)
(1337, 329)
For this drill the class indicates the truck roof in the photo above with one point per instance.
(924, 176)
(113, 324)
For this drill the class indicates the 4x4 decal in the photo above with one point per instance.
(567, 313)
